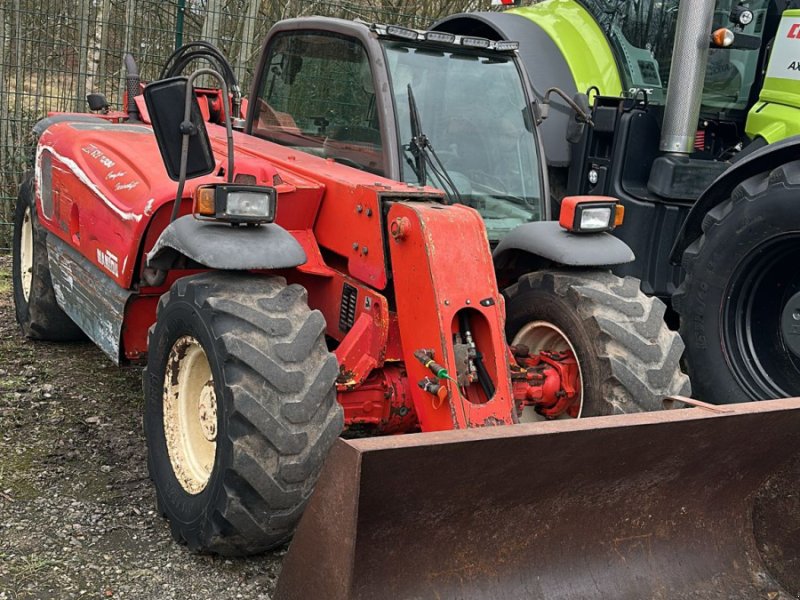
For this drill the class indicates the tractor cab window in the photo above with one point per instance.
(642, 36)
(472, 109)
(317, 94)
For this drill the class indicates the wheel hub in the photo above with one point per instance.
(790, 324)
(208, 411)
(761, 328)
(541, 336)
(190, 414)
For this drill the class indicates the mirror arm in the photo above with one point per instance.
(582, 115)
(187, 130)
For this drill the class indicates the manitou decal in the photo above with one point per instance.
(109, 261)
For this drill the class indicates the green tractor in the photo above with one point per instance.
(685, 112)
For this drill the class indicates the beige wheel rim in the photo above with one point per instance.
(543, 335)
(26, 254)
(190, 414)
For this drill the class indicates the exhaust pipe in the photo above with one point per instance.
(686, 76)
(132, 81)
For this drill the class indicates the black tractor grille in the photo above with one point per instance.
(347, 313)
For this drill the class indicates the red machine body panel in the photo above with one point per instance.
(397, 274)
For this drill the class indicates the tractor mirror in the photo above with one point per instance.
(166, 104)
(577, 122)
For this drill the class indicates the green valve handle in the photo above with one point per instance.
(425, 358)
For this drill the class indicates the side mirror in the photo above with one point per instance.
(97, 102)
(166, 104)
(577, 122)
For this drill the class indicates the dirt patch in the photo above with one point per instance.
(77, 509)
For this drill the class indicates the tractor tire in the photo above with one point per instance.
(629, 360)
(37, 310)
(240, 410)
(739, 303)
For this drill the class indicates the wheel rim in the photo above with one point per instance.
(190, 414)
(26, 254)
(543, 335)
(756, 345)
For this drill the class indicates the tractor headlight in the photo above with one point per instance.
(236, 203)
(595, 219)
(590, 214)
(249, 204)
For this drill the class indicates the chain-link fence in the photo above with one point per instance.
(54, 52)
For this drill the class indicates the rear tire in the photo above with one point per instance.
(740, 299)
(234, 458)
(629, 359)
(37, 310)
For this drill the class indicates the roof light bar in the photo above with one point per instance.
(444, 37)
(506, 45)
(440, 36)
(475, 42)
(402, 32)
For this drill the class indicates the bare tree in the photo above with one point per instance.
(211, 24)
(96, 46)
(248, 41)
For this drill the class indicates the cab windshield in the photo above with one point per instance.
(472, 109)
(642, 35)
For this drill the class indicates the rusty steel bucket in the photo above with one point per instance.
(693, 503)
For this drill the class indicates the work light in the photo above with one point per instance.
(590, 214)
(252, 204)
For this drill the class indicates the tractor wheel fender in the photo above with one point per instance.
(548, 240)
(762, 160)
(220, 246)
(240, 409)
(37, 310)
(629, 360)
(739, 302)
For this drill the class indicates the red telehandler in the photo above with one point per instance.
(278, 296)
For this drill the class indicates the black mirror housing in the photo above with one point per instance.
(577, 122)
(166, 101)
(97, 102)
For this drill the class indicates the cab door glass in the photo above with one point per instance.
(317, 94)
(642, 37)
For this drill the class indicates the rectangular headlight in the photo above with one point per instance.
(595, 219)
(590, 214)
(248, 204)
(236, 203)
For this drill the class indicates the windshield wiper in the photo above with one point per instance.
(425, 156)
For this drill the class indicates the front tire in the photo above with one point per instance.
(240, 410)
(629, 360)
(739, 303)
(37, 310)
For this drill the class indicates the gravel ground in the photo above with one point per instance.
(77, 510)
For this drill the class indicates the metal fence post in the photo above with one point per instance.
(179, 24)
